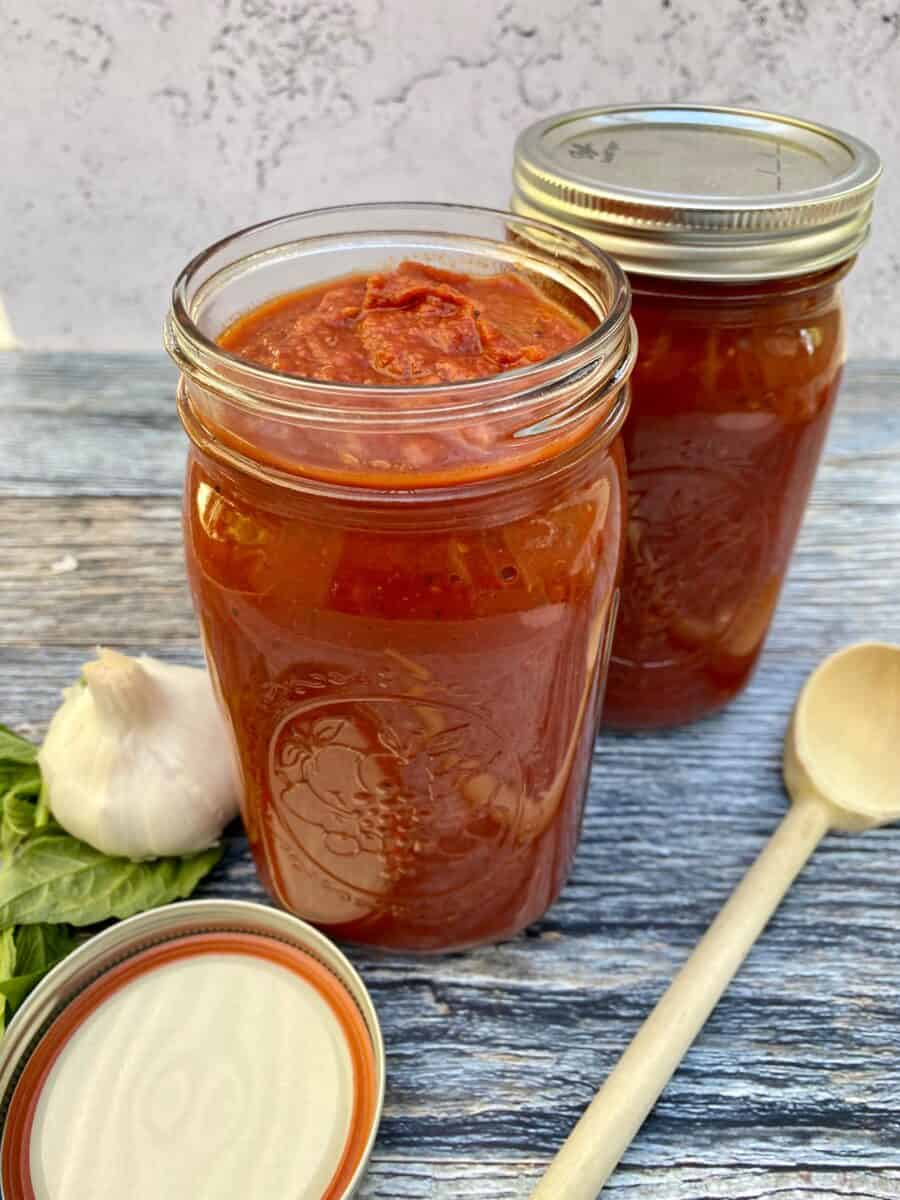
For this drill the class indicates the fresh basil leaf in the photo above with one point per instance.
(21, 809)
(52, 877)
(7, 953)
(34, 960)
(27, 953)
(42, 815)
(40, 947)
(28, 785)
(7, 967)
(16, 821)
(18, 764)
(14, 991)
(25, 776)
(14, 749)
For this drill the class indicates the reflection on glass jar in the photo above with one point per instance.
(410, 650)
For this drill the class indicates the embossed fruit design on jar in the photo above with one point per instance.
(735, 228)
(404, 521)
(385, 794)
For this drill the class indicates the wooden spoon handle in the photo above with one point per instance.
(607, 1126)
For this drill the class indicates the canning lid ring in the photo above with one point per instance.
(112, 949)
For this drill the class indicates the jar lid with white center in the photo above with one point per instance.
(208, 1048)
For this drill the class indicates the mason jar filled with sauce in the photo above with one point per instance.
(736, 229)
(404, 519)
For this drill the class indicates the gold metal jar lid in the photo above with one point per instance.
(700, 192)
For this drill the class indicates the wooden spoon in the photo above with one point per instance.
(842, 769)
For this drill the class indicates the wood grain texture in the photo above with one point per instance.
(793, 1089)
(434, 1180)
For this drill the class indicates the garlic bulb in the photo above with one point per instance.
(137, 761)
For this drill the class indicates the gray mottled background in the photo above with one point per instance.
(133, 132)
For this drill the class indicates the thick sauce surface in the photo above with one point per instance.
(413, 687)
(731, 398)
(414, 325)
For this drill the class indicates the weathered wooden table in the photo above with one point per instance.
(793, 1089)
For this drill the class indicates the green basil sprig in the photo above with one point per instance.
(50, 881)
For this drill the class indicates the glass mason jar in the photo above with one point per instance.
(735, 229)
(406, 593)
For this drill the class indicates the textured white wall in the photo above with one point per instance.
(134, 132)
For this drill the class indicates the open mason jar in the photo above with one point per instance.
(406, 593)
(735, 228)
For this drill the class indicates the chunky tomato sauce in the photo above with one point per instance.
(731, 398)
(416, 324)
(413, 686)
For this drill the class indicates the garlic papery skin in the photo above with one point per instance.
(137, 761)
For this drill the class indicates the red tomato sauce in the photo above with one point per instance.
(413, 687)
(732, 394)
(414, 325)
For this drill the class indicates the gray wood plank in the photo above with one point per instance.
(100, 569)
(89, 424)
(793, 1088)
(429, 1179)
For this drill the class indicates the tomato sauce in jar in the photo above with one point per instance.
(735, 228)
(735, 387)
(404, 518)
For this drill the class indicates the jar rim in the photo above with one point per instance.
(608, 345)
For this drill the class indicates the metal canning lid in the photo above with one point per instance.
(698, 192)
(212, 1039)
